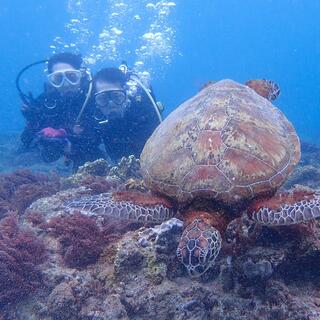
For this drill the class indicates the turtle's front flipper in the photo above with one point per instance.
(199, 246)
(130, 205)
(287, 208)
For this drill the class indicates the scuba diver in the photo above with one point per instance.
(59, 121)
(126, 112)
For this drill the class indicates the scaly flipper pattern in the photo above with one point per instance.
(106, 204)
(284, 211)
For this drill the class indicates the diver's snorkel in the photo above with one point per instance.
(131, 76)
(28, 99)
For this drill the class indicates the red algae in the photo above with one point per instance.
(21, 253)
(82, 239)
(20, 188)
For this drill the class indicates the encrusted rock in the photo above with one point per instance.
(53, 206)
(149, 250)
(259, 271)
(128, 167)
(227, 276)
(135, 184)
(164, 237)
(129, 259)
(139, 277)
(103, 309)
(62, 303)
(115, 309)
(98, 168)
(307, 175)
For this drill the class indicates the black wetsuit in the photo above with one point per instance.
(127, 135)
(51, 109)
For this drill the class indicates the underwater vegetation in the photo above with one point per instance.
(20, 188)
(21, 253)
(81, 239)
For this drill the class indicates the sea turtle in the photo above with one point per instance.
(222, 151)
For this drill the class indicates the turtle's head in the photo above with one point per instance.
(265, 88)
(199, 246)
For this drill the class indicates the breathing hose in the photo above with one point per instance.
(136, 79)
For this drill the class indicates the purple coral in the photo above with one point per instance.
(21, 253)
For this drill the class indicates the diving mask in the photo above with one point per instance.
(58, 78)
(104, 98)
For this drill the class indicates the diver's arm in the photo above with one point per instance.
(34, 112)
(32, 115)
(52, 149)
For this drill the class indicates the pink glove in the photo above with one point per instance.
(53, 133)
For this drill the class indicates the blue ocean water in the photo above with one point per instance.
(209, 39)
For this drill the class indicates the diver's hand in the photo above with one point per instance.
(28, 112)
(77, 129)
(28, 109)
(53, 138)
(25, 108)
(52, 143)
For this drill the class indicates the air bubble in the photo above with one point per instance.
(152, 43)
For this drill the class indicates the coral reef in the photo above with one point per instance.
(127, 168)
(97, 168)
(137, 276)
(305, 174)
(153, 253)
(100, 177)
(99, 268)
(21, 253)
(308, 170)
(259, 271)
(162, 236)
(256, 274)
(99, 184)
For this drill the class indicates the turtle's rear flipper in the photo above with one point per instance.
(122, 207)
(287, 208)
(265, 88)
